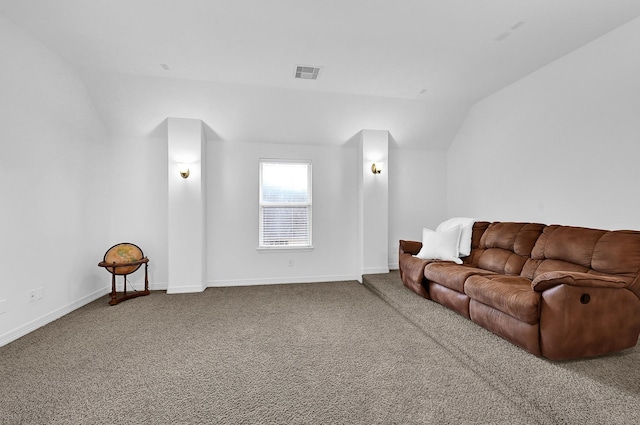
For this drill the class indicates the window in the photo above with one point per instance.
(285, 204)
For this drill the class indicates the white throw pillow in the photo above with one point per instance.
(440, 245)
(466, 224)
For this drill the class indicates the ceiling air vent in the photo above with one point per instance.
(307, 72)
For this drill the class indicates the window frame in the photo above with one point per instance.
(308, 205)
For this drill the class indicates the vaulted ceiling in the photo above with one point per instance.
(411, 66)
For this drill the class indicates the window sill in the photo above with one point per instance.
(284, 248)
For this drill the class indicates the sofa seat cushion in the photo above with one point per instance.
(512, 295)
(452, 275)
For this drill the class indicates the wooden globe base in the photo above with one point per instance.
(117, 297)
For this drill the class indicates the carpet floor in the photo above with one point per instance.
(321, 353)
(600, 390)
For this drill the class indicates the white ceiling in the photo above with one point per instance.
(449, 52)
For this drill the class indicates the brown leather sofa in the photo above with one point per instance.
(559, 292)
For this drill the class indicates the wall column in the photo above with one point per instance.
(187, 230)
(373, 191)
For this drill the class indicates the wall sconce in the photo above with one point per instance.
(184, 170)
(377, 168)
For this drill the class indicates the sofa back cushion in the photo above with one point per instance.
(479, 228)
(602, 252)
(505, 247)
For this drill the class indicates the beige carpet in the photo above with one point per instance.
(326, 353)
(602, 390)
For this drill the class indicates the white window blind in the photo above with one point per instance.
(285, 204)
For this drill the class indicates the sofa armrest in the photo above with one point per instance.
(410, 247)
(550, 279)
(585, 315)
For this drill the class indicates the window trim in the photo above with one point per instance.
(308, 205)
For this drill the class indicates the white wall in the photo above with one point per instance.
(187, 223)
(135, 106)
(138, 212)
(232, 208)
(559, 146)
(243, 123)
(417, 195)
(416, 199)
(233, 258)
(53, 162)
(373, 202)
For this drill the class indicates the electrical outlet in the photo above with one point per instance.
(3, 306)
(39, 293)
(290, 263)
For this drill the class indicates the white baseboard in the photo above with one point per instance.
(185, 289)
(50, 317)
(158, 286)
(279, 280)
(375, 270)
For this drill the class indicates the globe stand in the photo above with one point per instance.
(121, 260)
